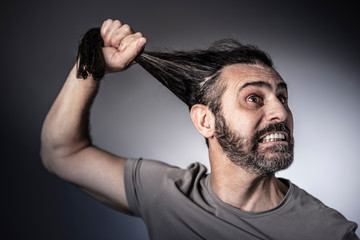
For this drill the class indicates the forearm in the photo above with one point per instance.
(66, 127)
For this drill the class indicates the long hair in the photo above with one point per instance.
(190, 75)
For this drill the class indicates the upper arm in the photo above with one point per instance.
(97, 172)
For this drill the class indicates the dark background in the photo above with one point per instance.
(315, 47)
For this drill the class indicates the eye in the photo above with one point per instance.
(255, 99)
(282, 99)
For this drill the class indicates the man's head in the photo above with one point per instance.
(254, 124)
(246, 97)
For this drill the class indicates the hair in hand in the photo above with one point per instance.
(90, 58)
(190, 75)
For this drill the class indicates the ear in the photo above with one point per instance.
(203, 119)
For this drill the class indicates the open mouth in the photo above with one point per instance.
(273, 137)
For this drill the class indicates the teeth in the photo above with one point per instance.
(273, 137)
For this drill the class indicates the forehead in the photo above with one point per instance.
(238, 74)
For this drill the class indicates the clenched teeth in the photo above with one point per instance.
(274, 137)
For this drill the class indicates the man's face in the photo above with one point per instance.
(255, 125)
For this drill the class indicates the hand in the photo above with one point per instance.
(121, 45)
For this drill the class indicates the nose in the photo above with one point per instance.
(276, 111)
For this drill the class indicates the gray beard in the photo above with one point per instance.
(249, 158)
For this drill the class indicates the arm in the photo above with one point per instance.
(66, 148)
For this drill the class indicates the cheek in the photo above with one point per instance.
(245, 123)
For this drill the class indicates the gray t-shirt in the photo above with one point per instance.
(181, 204)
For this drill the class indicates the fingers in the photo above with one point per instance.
(120, 34)
(121, 45)
(113, 32)
(129, 40)
(107, 30)
(133, 45)
(129, 48)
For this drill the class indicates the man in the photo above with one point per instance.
(238, 102)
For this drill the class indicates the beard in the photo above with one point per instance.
(244, 152)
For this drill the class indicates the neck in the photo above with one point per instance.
(241, 189)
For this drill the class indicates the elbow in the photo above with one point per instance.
(48, 154)
(47, 149)
(46, 159)
(55, 157)
(56, 150)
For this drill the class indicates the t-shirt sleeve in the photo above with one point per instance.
(351, 233)
(144, 182)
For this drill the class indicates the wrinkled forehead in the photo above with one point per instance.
(237, 74)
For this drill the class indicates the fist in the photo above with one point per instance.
(121, 45)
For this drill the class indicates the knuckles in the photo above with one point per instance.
(138, 34)
(126, 29)
(120, 36)
(117, 23)
(112, 29)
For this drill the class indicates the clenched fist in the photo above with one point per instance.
(121, 45)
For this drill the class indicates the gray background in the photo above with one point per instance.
(315, 47)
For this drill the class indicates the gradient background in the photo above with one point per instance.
(315, 48)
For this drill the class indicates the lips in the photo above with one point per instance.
(273, 137)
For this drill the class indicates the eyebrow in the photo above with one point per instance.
(282, 85)
(261, 84)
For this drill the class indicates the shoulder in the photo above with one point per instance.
(314, 212)
(155, 168)
(309, 203)
(149, 182)
(149, 172)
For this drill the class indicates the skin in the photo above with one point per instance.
(67, 151)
